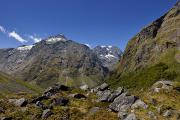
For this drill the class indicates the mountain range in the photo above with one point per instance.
(57, 59)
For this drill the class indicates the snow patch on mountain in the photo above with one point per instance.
(54, 39)
(109, 55)
(25, 48)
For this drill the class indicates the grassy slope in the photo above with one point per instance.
(166, 67)
(9, 85)
(77, 109)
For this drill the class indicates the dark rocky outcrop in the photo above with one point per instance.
(60, 101)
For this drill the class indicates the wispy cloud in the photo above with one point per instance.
(2, 29)
(35, 39)
(19, 37)
(16, 36)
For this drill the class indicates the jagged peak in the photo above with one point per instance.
(56, 38)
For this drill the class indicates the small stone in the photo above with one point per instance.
(2, 110)
(41, 105)
(93, 110)
(152, 115)
(167, 113)
(122, 115)
(103, 86)
(60, 101)
(131, 116)
(46, 113)
(139, 103)
(84, 87)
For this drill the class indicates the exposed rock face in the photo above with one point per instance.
(148, 45)
(109, 55)
(53, 60)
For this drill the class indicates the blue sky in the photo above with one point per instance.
(94, 22)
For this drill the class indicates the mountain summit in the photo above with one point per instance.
(56, 59)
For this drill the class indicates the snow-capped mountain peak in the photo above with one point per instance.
(109, 55)
(54, 39)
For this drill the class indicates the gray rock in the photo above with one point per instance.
(115, 94)
(152, 115)
(2, 110)
(167, 113)
(103, 86)
(46, 113)
(103, 97)
(131, 116)
(84, 87)
(41, 105)
(122, 100)
(122, 115)
(166, 85)
(19, 102)
(93, 110)
(139, 103)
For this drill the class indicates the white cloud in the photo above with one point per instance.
(35, 39)
(2, 29)
(16, 36)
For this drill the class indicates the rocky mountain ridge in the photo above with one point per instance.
(55, 59)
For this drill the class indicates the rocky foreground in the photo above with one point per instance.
(60, 102)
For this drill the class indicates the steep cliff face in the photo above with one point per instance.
(148, 45)
(152, 54)
(53, 60)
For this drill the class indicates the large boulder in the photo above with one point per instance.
(115, 94)
(122, 101)
(56, 88)
(104, 95)
(19, 102)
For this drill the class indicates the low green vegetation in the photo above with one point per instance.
(166, 68)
